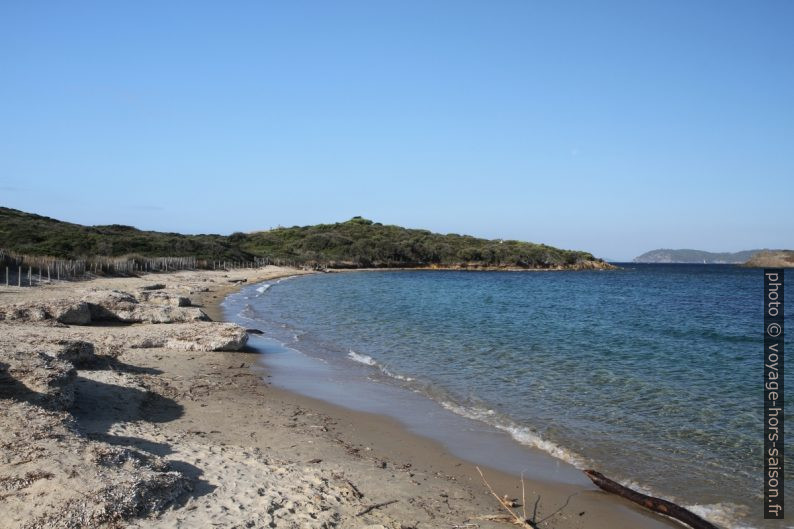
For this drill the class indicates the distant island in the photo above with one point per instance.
(695, 256)
(356, 243)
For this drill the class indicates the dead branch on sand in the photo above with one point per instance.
(376, 506)
(506, 505)
(512, 517)
(649, 502)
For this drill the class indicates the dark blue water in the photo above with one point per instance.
(651, 374)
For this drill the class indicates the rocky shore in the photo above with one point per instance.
(772, 259)
(67, 393)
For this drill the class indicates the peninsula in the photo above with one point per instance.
(695, 256)
(356, 243)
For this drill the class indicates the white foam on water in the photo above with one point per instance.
(728, 515)
(394, 375)
(361, 359)
(368, 360)
(521, 434)
(722, 514)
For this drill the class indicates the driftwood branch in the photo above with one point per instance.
(376, 506)
(514, 518)
(649, 502)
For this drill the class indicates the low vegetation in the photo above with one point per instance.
(356, 243)
(772, 259)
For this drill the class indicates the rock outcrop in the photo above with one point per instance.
(109, 306)
(63, 311)
(772, 259)
(113, 305)
(37, 378)
(159, 297)
(59, 368)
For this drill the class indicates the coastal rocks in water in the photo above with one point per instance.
(587, 264)
(37, 378)
(63, 311)
(772, 259)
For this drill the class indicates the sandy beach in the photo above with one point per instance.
(127, 403)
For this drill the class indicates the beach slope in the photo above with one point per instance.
(127, 402)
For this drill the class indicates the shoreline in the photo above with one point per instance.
(249, 449)
(393, 437)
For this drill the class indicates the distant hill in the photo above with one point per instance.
(772, 259)
(355, 243)
(694, 256)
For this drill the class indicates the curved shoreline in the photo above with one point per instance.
(211, 442)
(387, 437)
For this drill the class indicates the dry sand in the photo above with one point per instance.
(120, 424)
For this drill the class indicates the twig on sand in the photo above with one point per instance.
(564, 505)
(376, 506)
(516, 519)
(357, 493)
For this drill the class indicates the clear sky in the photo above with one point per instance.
(613, 127)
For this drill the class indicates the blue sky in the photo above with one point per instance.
(614, 127)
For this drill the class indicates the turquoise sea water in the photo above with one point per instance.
(650, 374)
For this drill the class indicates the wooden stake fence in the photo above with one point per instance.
(80, 269)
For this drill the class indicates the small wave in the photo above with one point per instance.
(368, 360)
(722, 514)
(361, 359)
(248, 311)
(261, 289)
(521, 434)
(395, 375)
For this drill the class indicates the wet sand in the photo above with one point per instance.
(382, 439)
(256, 455)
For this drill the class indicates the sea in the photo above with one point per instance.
(651, 374)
